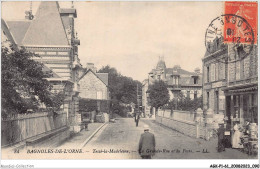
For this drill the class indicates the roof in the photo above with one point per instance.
(6, 34)
(18, 29)
(161, 65)
(102, 76)
(47, 27)
(180, 71)
(47, 69)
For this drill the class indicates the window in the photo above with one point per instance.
(207, 73)
(99, 95)
(212, 72)
(195, 94)
(207, 100)
(188, 94)
(195, 79)
(216, 102)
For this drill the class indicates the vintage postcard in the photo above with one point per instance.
(88, 80)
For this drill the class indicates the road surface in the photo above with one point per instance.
(120, 140)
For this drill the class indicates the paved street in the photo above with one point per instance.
(123, 136)
(120, 140)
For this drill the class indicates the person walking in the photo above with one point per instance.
(146, 144)
(137, 119)
(221, 133)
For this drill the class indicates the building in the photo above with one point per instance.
(94, 85)
(214, 77)
(230, 87)
(177, 79)
(51, 34)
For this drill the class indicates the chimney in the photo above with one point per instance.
(197, 70)
(92, 67)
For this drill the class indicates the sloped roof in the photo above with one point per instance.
(103, 77)
(46, 28)
(47, 69)
(161, 65)
(18, 29)
(180, 71)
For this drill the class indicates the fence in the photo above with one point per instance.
(23, 126)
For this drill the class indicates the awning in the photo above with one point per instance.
(243, 90)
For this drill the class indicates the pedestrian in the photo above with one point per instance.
(236, 142)
(221, 138)
(137, 119)
(146, 144)
(246, 127)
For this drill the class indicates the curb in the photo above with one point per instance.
(92, 135)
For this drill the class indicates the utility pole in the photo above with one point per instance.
(138, 95)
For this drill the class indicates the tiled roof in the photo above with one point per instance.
(18, 29)
(103, 77)
(46, 28)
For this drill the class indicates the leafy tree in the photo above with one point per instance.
(23, 82)
(122, 89)
(158, 94)
(185, 103)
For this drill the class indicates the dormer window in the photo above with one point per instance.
(195, 80)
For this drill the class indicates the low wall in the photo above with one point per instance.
(54, 141)
(182, 126)
(177, 114)
(24, 126)
(183, 122)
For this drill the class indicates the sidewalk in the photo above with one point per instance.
(78, 139)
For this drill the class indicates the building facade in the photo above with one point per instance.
(51, 35)
(94, 85)
(177, 79)
(230, 84)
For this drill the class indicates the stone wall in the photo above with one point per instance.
(182, 126)
(186, 122)
(90, 85)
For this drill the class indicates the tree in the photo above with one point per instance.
(158, 94)
(122, 89)
(23, 82)
(185, 103)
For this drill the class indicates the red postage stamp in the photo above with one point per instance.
(241, 22)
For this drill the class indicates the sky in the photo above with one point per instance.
(131, 36)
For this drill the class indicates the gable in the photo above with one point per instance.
(46, 28)
(18, 29)
(90, 78)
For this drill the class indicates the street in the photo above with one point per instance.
(120, 140)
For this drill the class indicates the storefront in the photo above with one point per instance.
(241, 104)
(241, 108)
